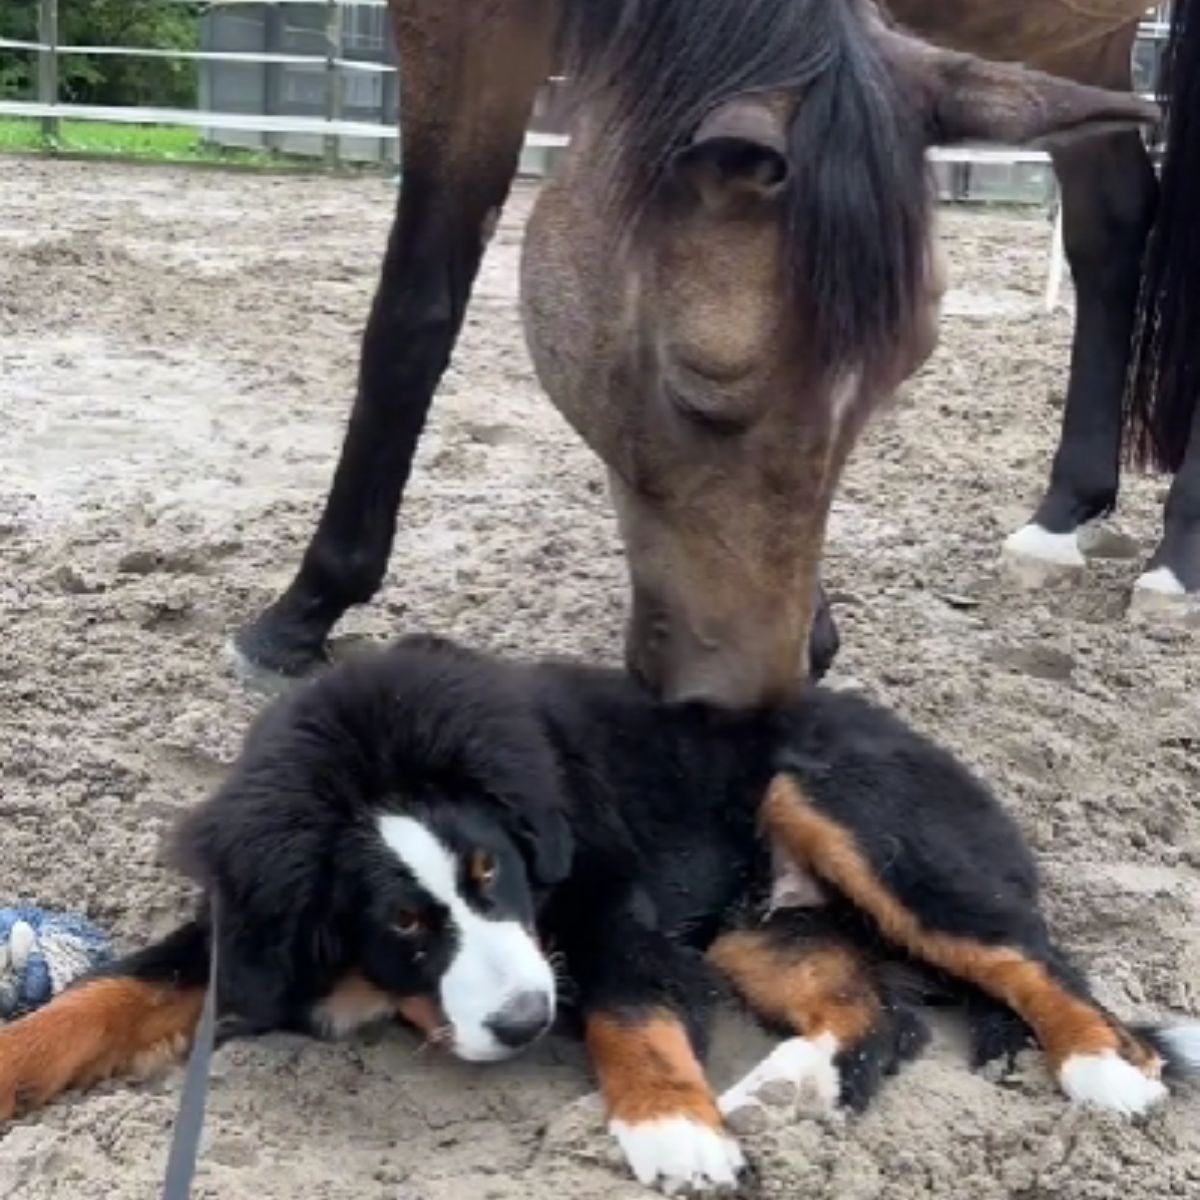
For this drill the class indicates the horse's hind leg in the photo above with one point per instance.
(1108, 193)
(1093, 1056)
(844, 1032)
(1172, 577)
(469, 72)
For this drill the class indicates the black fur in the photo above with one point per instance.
(858, 193)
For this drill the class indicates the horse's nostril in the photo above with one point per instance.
(525, 1017)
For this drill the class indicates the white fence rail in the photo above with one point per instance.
(330, 126)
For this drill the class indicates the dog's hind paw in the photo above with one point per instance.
(798, 1076)
(1108, 1081)
(679, 1155)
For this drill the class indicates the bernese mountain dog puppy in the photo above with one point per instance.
(438, 836)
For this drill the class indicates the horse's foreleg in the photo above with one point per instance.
(469, 74)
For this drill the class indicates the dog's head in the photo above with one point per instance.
(399, 818)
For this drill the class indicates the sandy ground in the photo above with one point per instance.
(176, 353)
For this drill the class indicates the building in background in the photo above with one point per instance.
(370, 92)
(300, 89)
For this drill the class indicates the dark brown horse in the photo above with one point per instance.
(470, 72)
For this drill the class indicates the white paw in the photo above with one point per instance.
(1034, 556)
(799, 1074)
(791, 885)
(1108, 1081)
(679, 1155)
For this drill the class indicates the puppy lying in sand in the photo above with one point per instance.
(434, 835)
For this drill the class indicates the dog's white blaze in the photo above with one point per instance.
(678, 1154)
(806, 1064)
(1108, 1081)
(495, 960)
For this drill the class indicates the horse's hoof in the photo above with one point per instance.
(1034, 557)
(263, 662)
(1160, 595)
(823, 644)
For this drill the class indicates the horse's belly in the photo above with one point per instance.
(1030, 31)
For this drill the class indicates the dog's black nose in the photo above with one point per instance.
(525, 1017)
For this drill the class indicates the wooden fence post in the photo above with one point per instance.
(48, 63)
(333, 78)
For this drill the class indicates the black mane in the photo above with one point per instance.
(858, 205)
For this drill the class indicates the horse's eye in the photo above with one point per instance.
(714, 417)
(484, 868)
(408, 923)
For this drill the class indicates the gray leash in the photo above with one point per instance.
(189, 1123)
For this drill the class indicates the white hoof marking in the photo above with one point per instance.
(1162, 580)
(1034, 557)
(1108, 1081)
(679, 1154)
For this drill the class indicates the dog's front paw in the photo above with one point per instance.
(680, 1155)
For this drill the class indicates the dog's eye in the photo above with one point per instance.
(408, 923)
(483, 868)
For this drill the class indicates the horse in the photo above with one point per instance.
(469, 76)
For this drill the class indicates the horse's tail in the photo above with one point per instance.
(1164, 378)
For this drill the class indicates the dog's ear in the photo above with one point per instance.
(266, 857)
(542, 833)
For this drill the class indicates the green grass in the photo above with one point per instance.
(156, 143)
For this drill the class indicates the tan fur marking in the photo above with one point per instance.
(482, 867)
(352, 1003)
(423, 1013)
(90, 1033)
(824, 989)
(1064, 1024)
(355, 1002)
(648, 1070)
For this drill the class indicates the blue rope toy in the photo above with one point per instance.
(41, 952)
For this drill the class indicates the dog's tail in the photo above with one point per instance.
(1179, 1048)
(135, 1017)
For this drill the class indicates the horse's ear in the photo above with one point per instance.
(738, 152)
(964, 98)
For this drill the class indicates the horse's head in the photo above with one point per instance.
(781, 280)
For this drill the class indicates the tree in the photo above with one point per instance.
(156, 24)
